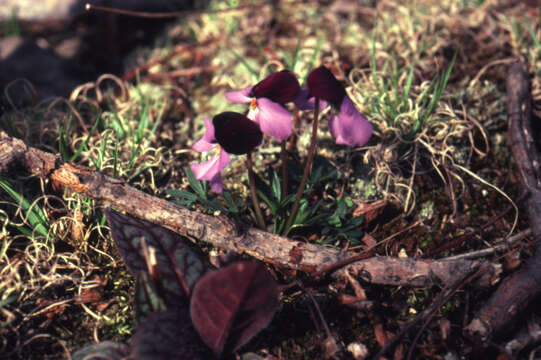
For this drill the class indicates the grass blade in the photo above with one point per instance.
(439, 91)
(34, 215)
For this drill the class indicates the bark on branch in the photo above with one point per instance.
(221, 232)
(519, 290)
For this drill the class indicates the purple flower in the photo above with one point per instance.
(210, 170)
(306, 101)
(323, 85)
(348, 125)
(228, 133)
(235, 133)
(266, 102)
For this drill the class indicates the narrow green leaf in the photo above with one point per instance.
(183, 194)
(273, 205)
(295, 58)
(101, 151)
(116, 122)
(115, 158)
(84, 145)
(276, 187)
(195, 184)
(373, 61)
(231, 204)
(143, 121)
(35, 216)
(439, 90)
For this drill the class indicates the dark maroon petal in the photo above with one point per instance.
(323, 85)
(235, 133)
(280, 87)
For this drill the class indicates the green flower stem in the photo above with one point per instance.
(283, 159)
(251, 178)
(307, 166)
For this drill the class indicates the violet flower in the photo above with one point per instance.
(266, 102)
(228, 133)
(348, 126)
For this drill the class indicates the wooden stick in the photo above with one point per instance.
(513, 296)
(224, 233)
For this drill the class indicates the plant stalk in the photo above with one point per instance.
(251, 179)
(283, 159)
(307, 166)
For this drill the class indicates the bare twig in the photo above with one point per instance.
(519, 290)
(503, 245)
(222, 232)
(171, 14)
(529, 336)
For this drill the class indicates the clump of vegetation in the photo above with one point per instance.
(177, 298)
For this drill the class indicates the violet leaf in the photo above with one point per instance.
(171, 263)
(229, 306)
(147, 299)
(105, 350)
(168, 335)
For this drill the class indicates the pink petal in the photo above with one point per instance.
(273, 119)
(216, 184)
(239, 96)
(210, 170)
(207, 142)
(349, 127)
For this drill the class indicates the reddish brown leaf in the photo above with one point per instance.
(370, 211)
(381, 335)
(170, 262)
(166, 336)
(92, 295)
(369, 241)
(511, 260)
(229, 306)
(445, 328)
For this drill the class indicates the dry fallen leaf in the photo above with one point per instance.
(381, 335)
(370, 211)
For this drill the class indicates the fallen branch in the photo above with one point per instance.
(224, 233)
(520, 289)
(528, 337)
(501, 246)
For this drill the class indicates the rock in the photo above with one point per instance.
(64, 10)
(24, 58)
